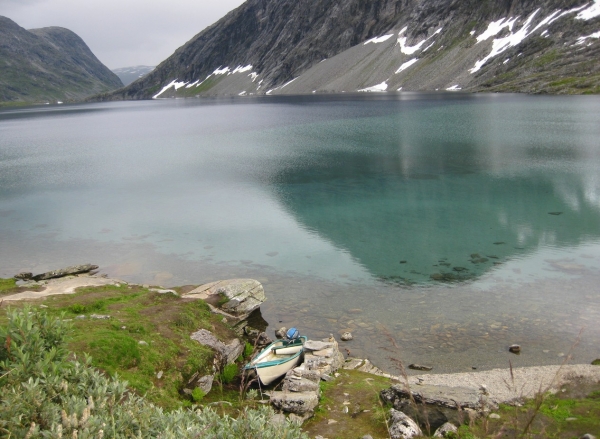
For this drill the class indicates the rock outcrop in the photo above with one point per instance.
(236, 299)
(291, 47)
(228, 353)
(436, 405)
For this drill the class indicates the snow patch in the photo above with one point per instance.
(409, 50)
(570, 11)
(242, 93)
(173, 83)
(377, 40)
(506, 60)
(453, 88)
(253, 75)
(241, 69)
(289, 82)
(220, 71)
(591, 12)
(406, 65)
(499, 45)
(192, 84)
(376, 88)
(581, 40)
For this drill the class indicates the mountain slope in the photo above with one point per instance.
(48, 64)
(353, 45)
(129, 74)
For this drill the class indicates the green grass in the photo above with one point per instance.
(7, 285)
(161, 322)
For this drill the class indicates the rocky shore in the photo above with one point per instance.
(442, 402)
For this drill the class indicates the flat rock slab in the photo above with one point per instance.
(242, 296)
(75, 269)
(444, 396)
(62, 286)
(316, 345)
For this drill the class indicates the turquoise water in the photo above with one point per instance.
(425, 217)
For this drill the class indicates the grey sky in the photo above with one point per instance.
(123, 33)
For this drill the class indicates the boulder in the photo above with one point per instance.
(75, 269)
(435, 405)
(205, 383)
(402, 426)
(228, 352)
(347, 336)
(300, 403)
(323, 357)
(23, 276)
(446, 430)
(280, 333)
(234, 298)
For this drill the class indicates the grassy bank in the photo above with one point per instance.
(146, 341)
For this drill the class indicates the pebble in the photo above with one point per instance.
(570, 419)
(346, 336)
(494, 416)
(331, 421)
(515, 349)
(345, 409)
(142, 343)
(159, 375)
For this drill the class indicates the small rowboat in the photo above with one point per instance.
(277, 359)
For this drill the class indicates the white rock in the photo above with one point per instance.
(402, 427)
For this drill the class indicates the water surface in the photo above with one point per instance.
(456, 224)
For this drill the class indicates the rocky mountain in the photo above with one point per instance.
(318, 46)
(129, 74)
(48, 65)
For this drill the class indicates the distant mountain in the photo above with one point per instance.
(129, 74)
(48, 65)
(293, 47)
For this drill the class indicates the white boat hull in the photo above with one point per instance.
(269, 374)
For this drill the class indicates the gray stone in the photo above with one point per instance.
(159, 375)
(80, 317)
(515, 349)
(205, 383)
(419, 367)
(143, 343)
(367, 436)
(435, 405)
(23, 276)
(588, 436)
(228, 352)
(75, 269)
(99, 316)
(300, 403)
(241, 296)
(299, 384)
(494, 416)
(347, 336)
(315, 345)
(446, 430)
(402, 426)
(163, 291)
(280, 333)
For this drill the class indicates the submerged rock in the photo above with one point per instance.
(347, 336)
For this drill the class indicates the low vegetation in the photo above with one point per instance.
(62, 370)
(47, 392)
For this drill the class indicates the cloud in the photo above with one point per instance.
(123, 33)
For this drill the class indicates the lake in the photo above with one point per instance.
(455, 224)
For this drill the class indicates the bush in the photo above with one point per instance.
(229, 373)
(46, 396)
(248, 349)
(198, 394)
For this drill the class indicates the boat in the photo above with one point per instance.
(278, 358)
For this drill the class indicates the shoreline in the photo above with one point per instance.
(502, 385)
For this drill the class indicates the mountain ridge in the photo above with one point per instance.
(48, 64)
(262, 45)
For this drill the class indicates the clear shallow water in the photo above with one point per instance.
(354, 211)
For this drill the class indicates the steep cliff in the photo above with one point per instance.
(48, 64)
(286, 46)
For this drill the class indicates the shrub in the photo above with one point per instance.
(248, 349)
(46, 396)
(198, 394)
(229, 373)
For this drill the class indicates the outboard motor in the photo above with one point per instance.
(292, 334)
